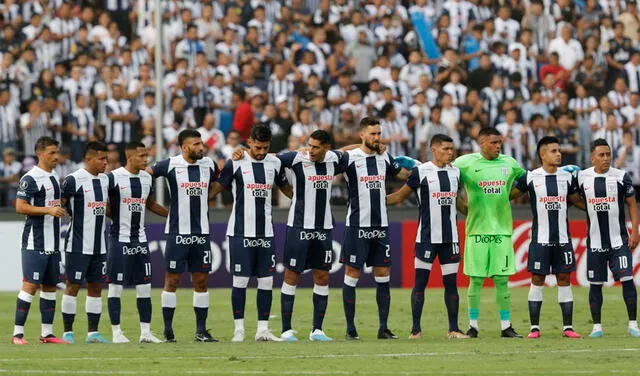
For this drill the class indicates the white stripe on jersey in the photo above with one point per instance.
(128, 195)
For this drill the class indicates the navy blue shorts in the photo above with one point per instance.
(80, 267)
(551, 258)
(128, 263)
(41, 267)
(308, 249)
(252, 257)
(368, 245)
(448, 253)
(192, 251)
(619, 260)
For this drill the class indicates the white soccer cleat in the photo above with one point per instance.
(289, 336)
(238, 335)
(149, 338)
(267, 336)
(119, 337)
(319, 336)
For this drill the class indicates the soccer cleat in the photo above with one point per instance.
(289, 336)
(569, 333)
(119, 337)
(238, 335)
(18, 339)
(149, 338)
(69, 337)
(534, 334)
(96, 338)
(169, 337)
(352, 335)
(510, 333)
(596, 334)
(386, 334)
(472, 332)
(457, 334)
(267, 336)
(319, 336)
(205, 336)
(415, 335)
(53, 339)
(633, 332)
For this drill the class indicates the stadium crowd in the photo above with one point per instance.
(84, 70)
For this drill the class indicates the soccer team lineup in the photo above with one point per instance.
(478, 187)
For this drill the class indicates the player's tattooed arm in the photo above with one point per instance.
(399, 195)
(577, 201)
(153, 205)
(635, 220)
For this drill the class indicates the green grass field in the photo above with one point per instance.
(433, 355)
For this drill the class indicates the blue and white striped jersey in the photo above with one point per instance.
(251, 182)
(604, 195)
(41, 188)
(87, 205)
(365, 175)
(548, 196)
(437, 190)
(189, 193)
(128, 195)
(311, 181)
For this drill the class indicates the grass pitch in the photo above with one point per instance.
(433, 355)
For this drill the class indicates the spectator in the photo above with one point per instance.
(10, 170)
(243, 117)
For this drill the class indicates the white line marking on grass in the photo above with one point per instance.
(264, 372)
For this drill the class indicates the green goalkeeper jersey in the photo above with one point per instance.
(488, 184)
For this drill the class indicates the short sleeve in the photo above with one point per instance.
(287, 158)
(518, 171)
(226, 175)
(68, 187)
(112, 181)
(521, 183)
(281, 176)
(338, 168)
(414, 179)
(573, 184)
(627, 187)
(215, 172)
(343, 163)
(393, 168)
(161, 168)
(27, 188)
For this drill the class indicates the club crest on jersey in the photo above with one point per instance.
(505, 171)
(492, 187)
(24, 185)
(612, 188)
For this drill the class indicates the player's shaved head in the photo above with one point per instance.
(544, 142)
(93, 147)
(439, 139)
(490, 142)
(137, 154)
(95, 157)
(484, 132)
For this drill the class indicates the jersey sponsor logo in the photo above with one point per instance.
(257, 243)
(372, 181)
(372, 234)
(492, 187)
(259, 190)
(320, 181)
(137, 250)
(192, 239)
(552, 202)
(601, 204)
(313, 235)
(54, 203)
(444, 198)
(486, 239)
(134, 204)
(194, 188)
(99, 207)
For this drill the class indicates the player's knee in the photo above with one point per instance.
(381, 271)
(94, 289)
(419, 264)
(30, 288)
(200, 281)
(321, 277)
(143, 291)
(240, 282)
(265, 283)
(291, 277)
(564, 279)
(72, 289)
(352, 272)
(171, 282)
(538, 279)
(115, 291)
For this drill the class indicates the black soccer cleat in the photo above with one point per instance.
(205, 337)
(510, 333)
(352, 335)
(169, 337)
(386, 334)
(472, 332)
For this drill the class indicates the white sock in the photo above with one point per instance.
(145, 327)
(238, 324)
(474, 324)
(93, 305)
(115, 329)
(288, 289)
(69, 304)
(535, 293)
(565, 327)
(504, 324)
(597, 327)
(535, 327)
(633, 324)
(18, 329)
(168, 299)
(263, 325)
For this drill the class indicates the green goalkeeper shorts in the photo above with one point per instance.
(488, 256)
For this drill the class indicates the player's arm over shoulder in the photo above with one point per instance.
(516, 169)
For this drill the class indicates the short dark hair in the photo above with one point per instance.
(369, 121)
(94, 146)
(44, 142)
(488, 131)
(546, 140)
(133, 145)
(321, 135)
(440, 138)
(188, 133)
(240, 93)
(599, 142)
(260, 133)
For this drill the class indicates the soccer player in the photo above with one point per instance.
(84, 192)
(366, 235)
(550, 250)
(605, 191)
(250, 231)
(487, 178)
(436, 186)
(189, 175)
(129, 257)
(39, 200)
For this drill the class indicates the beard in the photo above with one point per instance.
(373, 146)
(196, 155)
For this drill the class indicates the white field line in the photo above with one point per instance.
(301, 372)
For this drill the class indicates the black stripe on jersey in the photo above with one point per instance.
(77, 221)
(39, 199)
(260, 178)
(445, 210)
(114, 199)
(321, 197)
(374, 194)
(425, 211)
(354, 198)
(624, 234)
(97, 235)
(56, 220)
(298, 217)
(194, 201)
(551, 185)
(533, 198)
(600, 189)
(238, 226)
(136, 192)
(174, 214)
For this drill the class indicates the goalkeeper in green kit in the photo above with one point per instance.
(488, 250)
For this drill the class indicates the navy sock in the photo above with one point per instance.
(451, 300)
(167, 317)
(349, 305)
(67, 320)
(286, 310)
(567, 313)
(114, 307)
(201, 318)
(534, 312)
(417, 297)
(144, 309)
(93, 321)
(238, 300)
(383, 298)
(630, 296)
(263, 302)
(47, 310)
(320, 303)
(22, 311)
(595, 302)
